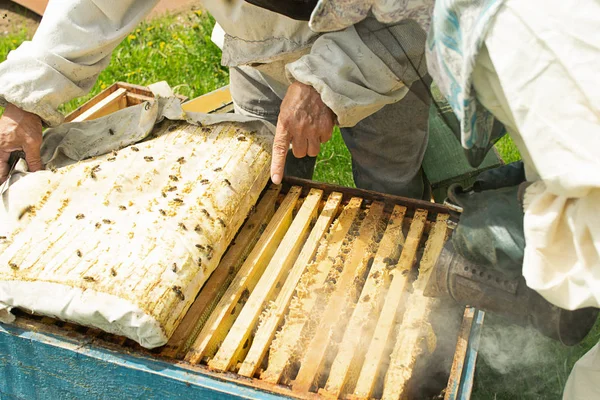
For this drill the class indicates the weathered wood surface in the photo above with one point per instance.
(388, 316)
(415, 325)
(289, 338)
(218, 324)
(220, 279)
(339, 301)
(275, 312)
(113, 102)
(285, 255)
(351, 354)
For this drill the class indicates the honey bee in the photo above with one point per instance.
(122, 208)
(219, 169)
(173, 178)
(172, 127)
(133, 148)
(178, 200)
(111, 132)
(242, 138)
(148, 158)
(181, 160)
(163, 194)
(111, 159)
(172, 188)
(177, 290)
(221, 222)
(2, 237)
(89, 279)
(107, 221)
(93, 171)
(198, 229)
(13, 266)
(52, 168)
(206, 214)
(25, 211)
(80, 216)
(199, 246)
(182, 226)
(162, 212)
(204, 181)
(174, 268)
(79, 253)
(113, 272)
(227, 182)
(98, 225)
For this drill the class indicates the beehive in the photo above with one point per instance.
(124, 242)
(320, 290)
(320, 294)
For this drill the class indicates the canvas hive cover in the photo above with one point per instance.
(124, 241)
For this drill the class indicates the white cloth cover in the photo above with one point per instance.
(124, 239)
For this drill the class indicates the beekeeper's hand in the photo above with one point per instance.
(20, 130)
(305, 122)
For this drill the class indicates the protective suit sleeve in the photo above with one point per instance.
(539, 86)
(70, 48)
(352, 80)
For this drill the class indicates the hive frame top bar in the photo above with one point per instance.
(410, 204)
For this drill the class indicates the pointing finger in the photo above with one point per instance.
(281, 144)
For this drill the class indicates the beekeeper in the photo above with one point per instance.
(280, 70)
(533, 65)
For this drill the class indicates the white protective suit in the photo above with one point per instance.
(534, 65)
(75, 39)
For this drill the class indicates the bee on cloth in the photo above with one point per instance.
(148, 158)
(89, 279)
(94, 170)
(79, 216)
(133, 148)
(178, 292)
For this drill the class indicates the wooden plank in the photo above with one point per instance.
(346, 365)
(460, 355)
(209, 102)
(274, 314)
(354, 268)
(217, 325)
(41, 365)
(415, 325)
(389, 199)
(113, 102)
(283, 259)
(289, 338)
(220, 279)
(387, 317)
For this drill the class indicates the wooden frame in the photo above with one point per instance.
(102, 360)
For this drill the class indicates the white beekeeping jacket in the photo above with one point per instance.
(75, 39)
(540, 79)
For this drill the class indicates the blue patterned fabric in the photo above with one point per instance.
(458, 30)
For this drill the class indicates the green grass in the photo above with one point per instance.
(179, 51)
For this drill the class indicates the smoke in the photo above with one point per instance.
(508, 348)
